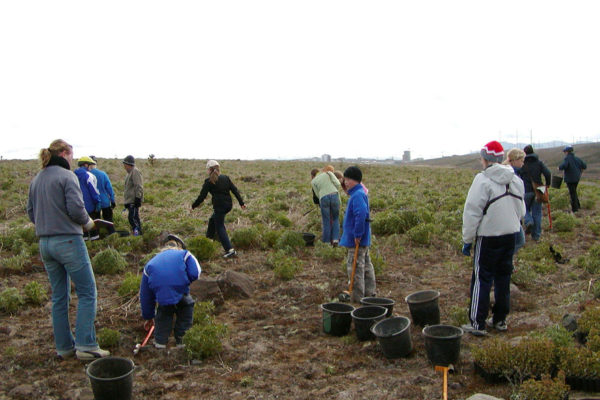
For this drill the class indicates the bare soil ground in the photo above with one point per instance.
(276, 347)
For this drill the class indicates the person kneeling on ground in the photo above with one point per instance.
(166, 282)
(357, 232)
(491, 218)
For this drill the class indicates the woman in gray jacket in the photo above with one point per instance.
(56, 208)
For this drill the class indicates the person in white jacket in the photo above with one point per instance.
(492, 214)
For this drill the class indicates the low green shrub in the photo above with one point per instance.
(524, 275)
(35, 293)
(108, 338)
(130, 285)
(589, 319)
(580, 362)
(284, 266)
(269, 238)
(246, 238)
(458, 315)
(390, 222)
(421, 234)
(202, 247)
(327, 252)
(204, 313)
(590, 262)
(563, 222)
(544, 389)
(290, 241)
(558, 335)
(11, 300)
(16, 262)
(559, 200)
(109, 262)
(204, 340)
(593, 340)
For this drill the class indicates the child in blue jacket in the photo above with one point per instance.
(357, 231)
(166, 282)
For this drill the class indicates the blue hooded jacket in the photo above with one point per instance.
(573, 166)
(355, 218)
(107, 195)
(91, 197)
(166, 279)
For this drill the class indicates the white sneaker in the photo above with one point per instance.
(475, 332)
(499, 326)
(230, 253)
(159, 346)
(91, 354)
(96, 237)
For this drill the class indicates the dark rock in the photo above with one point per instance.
(235, 285)
(205, 289)
(422, 380)
(569, 322)
(456, 386)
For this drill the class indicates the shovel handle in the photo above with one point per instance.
(351, 286)
(139, 346)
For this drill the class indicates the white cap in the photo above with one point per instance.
(211, 163)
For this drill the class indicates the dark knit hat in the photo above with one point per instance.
(568, 149)
(528, 149)
(353, 173)
(129, 160)
(492, 152)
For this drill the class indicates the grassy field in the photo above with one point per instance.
(274, 346)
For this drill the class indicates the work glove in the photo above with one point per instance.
(466, 250)
(137, 202)
(113, 205)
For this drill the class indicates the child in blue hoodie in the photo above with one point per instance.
(91, 196)
(357, 231)
(166, 282)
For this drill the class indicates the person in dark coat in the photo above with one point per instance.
(532, 172)
(219, 186)
(573, 167)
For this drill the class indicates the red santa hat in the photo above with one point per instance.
(493, 152)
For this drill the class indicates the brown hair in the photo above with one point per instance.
(213, 174)
(55, 148)
(328, 168)
(314, 172)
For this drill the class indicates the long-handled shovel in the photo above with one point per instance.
(139, 346)
(345, 296)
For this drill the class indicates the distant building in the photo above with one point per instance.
(406, 156)
(326, 158)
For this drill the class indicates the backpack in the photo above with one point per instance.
(506, 193)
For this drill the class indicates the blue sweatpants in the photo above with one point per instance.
(492, 264)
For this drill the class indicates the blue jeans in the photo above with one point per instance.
(163, 322)
(533, 215)
(330, 213)
(519, 240)
(66, 258)
(216, 225)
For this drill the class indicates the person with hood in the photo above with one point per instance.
(91, 196)
(573, 167)
(357, 232)
(515, 158)
(55, 206)
(219, 186)
(491, 218)
(107, 195)
(133, 194)
(531, 173)
(165, 291)
(326, 187)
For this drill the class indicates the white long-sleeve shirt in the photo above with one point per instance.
(504, 215)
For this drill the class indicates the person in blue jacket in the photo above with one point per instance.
(165, 291)
(357, 231)
(89, 189)
(573, 167)
(107, 195)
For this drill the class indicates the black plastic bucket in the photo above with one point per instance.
(379, 301)
(424, 307)
(111, 378)
(364, 318)
(336, 318)
(309, 238)
(442, 343)
(393, 336)
(556, 181)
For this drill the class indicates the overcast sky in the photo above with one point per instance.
(285, 79)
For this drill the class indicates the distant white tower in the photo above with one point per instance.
(326, 158)
(406, 156)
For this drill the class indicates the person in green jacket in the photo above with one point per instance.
(326, 187)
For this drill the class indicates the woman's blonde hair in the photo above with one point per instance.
(55, 148)
(213, 174)
(514, 155)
